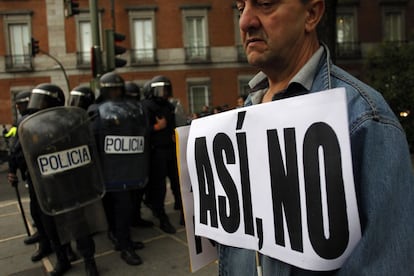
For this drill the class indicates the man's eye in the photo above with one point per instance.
(265, 4)
(240, 9)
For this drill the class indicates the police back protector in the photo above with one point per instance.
(62, 159)
(121, 130)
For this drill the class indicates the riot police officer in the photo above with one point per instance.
(117, 122)
(21, 101)
(163, 154)
(133, 93)
(43, 96)
(83, 97)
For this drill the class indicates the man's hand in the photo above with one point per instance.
(13, 179)
(160, 124)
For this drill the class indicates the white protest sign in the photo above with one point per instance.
(277, 178)
(202, 251)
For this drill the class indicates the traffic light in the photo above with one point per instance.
(112, 50)
(71, 8)
(96, 62)
(34, 45)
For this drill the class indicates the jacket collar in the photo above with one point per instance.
(317, 68)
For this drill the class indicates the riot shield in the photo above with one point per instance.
(62, 159)
(81, 222)
(123, 145)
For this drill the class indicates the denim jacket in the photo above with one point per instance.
(384, 184)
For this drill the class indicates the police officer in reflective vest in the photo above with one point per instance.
(43, 96)
(163, 155)
(133, 93)
(120, 131)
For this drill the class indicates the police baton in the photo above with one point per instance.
(19, 200)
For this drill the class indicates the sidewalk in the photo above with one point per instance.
(163, 254)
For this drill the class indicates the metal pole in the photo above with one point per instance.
(96, 39)
(60, 65)
(19, 200)
(93, 8)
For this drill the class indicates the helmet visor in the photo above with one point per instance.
(161, 89)
(40, 99)
(77, 99)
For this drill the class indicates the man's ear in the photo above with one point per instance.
(315, 11)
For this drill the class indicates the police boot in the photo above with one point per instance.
(130, 257)
(136, 245)
(62, 264)
(32, 239)
(90, 267)
(165, 224)
(43, 251)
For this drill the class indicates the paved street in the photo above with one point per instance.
(164, 254)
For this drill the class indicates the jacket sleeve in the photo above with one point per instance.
(16, 159)
(385, 190)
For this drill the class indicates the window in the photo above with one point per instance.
(85, 43)
(347, 34)
(196, 39)
(143, 36)
(393, 25)
(18, 30)
(199, 94)
(241, 54)
(84, 38)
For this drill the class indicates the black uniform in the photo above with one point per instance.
(163, 156)
(17, 162)
(120, 132)
(42, 96)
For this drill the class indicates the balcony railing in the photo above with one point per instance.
(143, 56)
(19, 63)
(197, 54)
(348, 50)
(241, 54)
(83, 60)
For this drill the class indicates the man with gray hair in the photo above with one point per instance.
(280, 39)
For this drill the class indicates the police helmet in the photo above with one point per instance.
(22, 97)
(81, 96)
(132, 90)
(159, 86)
(46, 95)
(111, 82)
(146, 89)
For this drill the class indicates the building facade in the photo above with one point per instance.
(194, 43)
(364, 24)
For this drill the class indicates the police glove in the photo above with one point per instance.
(13, 179)
(160, 124)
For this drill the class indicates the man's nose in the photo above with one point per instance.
(248, 19)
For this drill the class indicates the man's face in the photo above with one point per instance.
(272, 31)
